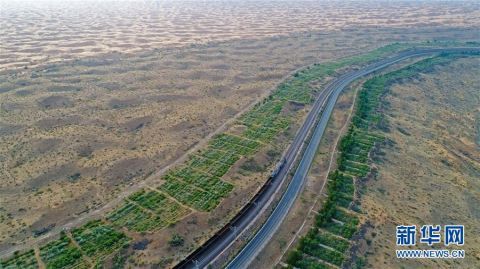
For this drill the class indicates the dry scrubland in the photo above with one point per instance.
(80, 134)
(32, 32)
(76, 134)
(429, 174)
(145, 212)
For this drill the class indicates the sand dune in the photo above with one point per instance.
(115, 90)
(32, 32)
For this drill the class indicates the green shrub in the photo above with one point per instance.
(176, 241)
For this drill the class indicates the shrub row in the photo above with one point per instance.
(25, 260)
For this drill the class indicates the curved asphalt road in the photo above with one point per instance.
(324, 104)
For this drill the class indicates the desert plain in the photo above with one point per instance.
(98, 99)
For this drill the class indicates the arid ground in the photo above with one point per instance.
(96, 98)
(429, 175)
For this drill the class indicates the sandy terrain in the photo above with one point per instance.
(115, 91)
(75, 134)
(33, 32)
(430, 173)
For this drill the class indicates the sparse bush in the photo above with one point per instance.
(176, 241)
(252, 166)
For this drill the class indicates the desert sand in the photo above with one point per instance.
(97, 97)
(34, 32)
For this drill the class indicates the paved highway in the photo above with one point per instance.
(321, 110)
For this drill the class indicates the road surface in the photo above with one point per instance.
(321, 110)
